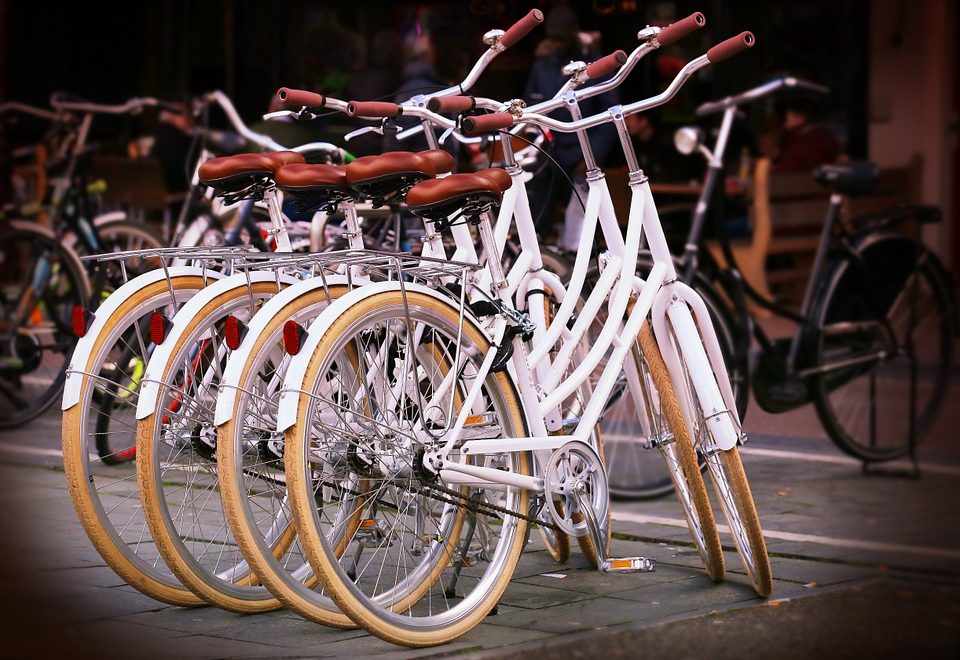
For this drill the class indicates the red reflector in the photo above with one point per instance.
(293, 334)
(81, 318)
(159, 324)
(234, 331)
(269, 240)
(126, 454)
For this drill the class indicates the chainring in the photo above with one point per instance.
(575, 465)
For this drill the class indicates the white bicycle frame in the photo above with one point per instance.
(681, 323)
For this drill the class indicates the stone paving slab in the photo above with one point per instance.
(878, 618)
(61, 588)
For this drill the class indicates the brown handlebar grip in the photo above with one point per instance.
(451, 104)
(606, 65)
(487, 123)
(372, 109)
(731, 47)
(680, 29)
(521, 28)
(292, 99)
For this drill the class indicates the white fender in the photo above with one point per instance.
(238, 358)
(670, 307)
(150, 386)
(81, 354)
(296, 371)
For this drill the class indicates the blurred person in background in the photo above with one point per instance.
(805, 143)
(549, 191)
(435, 60)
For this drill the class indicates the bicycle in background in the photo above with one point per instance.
(873, 344)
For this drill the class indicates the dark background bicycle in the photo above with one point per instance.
(874, 333)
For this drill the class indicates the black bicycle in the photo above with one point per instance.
(874, 338)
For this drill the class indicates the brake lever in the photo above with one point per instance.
(361, 131)
(300, 115)
(445, 135)
(410, 132)
(460, 137)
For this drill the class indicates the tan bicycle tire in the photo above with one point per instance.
(761, 578)
(151, 492)
(74, 456)
(713, 550)
(231, 491)
(303, 508)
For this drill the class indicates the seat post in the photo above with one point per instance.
(484, 222)
(272, 201)
(354, 235)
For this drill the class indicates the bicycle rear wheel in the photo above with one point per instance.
(884, 343)
(176, 463)
(429, 560)
(250, 468)
(99, 441)
(40, 283)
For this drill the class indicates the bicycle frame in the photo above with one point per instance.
(671, 302)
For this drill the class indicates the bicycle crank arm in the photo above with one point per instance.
(604, 563)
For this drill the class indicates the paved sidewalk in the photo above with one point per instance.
(61, 597)
(863, 565)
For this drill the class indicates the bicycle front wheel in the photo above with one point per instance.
(635, 472)
(727, 474)
(429, 558)
(680, 458)
(884, 344)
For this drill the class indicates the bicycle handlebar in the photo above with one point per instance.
(497, 41)
(131, 105)
(221, 99)
(451, 104)
(294, 99)
(487, 123)
(373, 109)
(605, 65)
(765, 89)
(676, 31)
(651, 41)
(730, 47)
(25, 109)
(521, 28)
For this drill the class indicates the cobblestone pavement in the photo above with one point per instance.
(862, 563)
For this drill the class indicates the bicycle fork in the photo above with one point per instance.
(682, 326)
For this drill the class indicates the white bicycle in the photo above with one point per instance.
(436, 408)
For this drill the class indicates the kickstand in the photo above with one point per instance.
(878, 469)
(913, 472)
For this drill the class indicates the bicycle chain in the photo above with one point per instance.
(451, 496)
(476, 506)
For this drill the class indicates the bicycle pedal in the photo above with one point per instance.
(628, 565)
